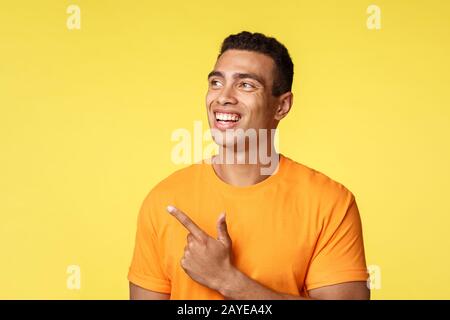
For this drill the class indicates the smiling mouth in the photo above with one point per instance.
(226, 120)
(222, 117)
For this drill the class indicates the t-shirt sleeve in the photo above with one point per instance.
(146, 269)
(339, 254)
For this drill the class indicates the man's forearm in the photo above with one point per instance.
(239, 286)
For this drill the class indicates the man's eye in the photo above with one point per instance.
(247, 85)
(215, 83)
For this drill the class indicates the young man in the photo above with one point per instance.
(290, 232)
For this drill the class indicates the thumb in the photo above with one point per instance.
(222, 230)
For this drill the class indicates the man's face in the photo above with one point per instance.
(240, 93)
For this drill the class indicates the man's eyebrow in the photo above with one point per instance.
(249, 76)
(215, 74)
(238, 76)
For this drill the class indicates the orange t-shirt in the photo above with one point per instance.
(295, 231)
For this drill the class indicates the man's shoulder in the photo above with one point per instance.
(179, 180)
(315, 182)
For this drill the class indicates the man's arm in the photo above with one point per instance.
(208, 262)
(356, 290)
(240, 287)
(138, 293)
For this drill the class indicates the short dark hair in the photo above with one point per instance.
(284, 71)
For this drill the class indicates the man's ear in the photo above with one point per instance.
(284, 105)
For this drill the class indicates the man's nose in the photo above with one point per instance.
(226, 96)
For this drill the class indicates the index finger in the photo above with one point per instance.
(187, 222)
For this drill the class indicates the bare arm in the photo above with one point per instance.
(241, 287)
(356, 290)
(138, 293)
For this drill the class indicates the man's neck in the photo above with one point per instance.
(245, 174)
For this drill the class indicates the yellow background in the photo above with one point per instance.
(86, 118)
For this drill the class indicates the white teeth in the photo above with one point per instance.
(227, 116)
